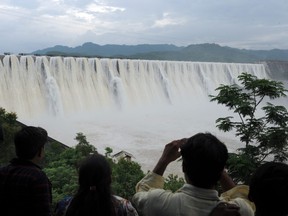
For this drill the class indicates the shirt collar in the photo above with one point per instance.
(201, 193)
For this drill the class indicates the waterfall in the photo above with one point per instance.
(135, 105)
(32, 86)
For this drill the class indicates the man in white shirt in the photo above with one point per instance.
(203, 160)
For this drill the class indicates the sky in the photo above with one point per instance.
(30, 25)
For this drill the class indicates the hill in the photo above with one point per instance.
(198, 52)
(91, 49)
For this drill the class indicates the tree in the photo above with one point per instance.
(173, 182)
(83, 145)
(8, 127)
(125, 176)
(108, 152)
(64, 180)
(262, 128)
(61, 168)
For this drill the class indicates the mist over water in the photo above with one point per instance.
(132, 105)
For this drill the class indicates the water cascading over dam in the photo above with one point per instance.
(132, 105)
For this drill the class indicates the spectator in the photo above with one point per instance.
(269, 189)
(204, 158)
(94, 196)
(24, 187)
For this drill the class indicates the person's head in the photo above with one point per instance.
(29, 142)
(204, 158)
(269, 189)
(94, 196)
(94, 172)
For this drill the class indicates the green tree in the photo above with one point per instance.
(8, 127)
(125, 175)
(108, 152)
(262, 128)
(61, 168)
(83, 145)
(64, 180)
(173, 182)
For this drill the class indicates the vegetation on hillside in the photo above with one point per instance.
(8, 126)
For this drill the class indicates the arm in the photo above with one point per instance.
(155, 179)
(149, 188)
(171, 153)
(226, 181)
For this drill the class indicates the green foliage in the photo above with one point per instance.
(125, 176)
(52, 150)
(108, 151)
(83, 145)
(8, 127)
(240, 167)
(264, 136)
(60, 168)
(173, 182)
(64, 181)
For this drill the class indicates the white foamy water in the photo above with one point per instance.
(132, 105)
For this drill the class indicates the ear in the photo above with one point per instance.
(41, 152)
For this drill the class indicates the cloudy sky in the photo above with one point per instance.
(29, 25)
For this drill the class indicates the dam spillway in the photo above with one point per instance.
(41, 85)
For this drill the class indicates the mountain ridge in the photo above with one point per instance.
(210, 52)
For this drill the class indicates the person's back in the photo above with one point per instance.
(269, 189)
(24, 187)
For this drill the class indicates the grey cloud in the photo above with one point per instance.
(243, 24)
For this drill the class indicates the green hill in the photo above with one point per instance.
(198, 52)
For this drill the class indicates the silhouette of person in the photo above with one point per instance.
(203, 160)
(269, 189)
(24, 187)
(94, 196)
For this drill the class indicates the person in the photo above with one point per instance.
(269, 189)
(203, 161)
(24, 187)
(94, 196)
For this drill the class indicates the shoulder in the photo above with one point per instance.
(62, 205)
(124, 207)
(28, 171)
(239, 191)
(36, 173)
(149, 182)
(239, 196)
(121, 201)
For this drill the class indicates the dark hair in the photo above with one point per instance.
(269, 189)
(94, 195)
(29, 141)
(204, 158)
